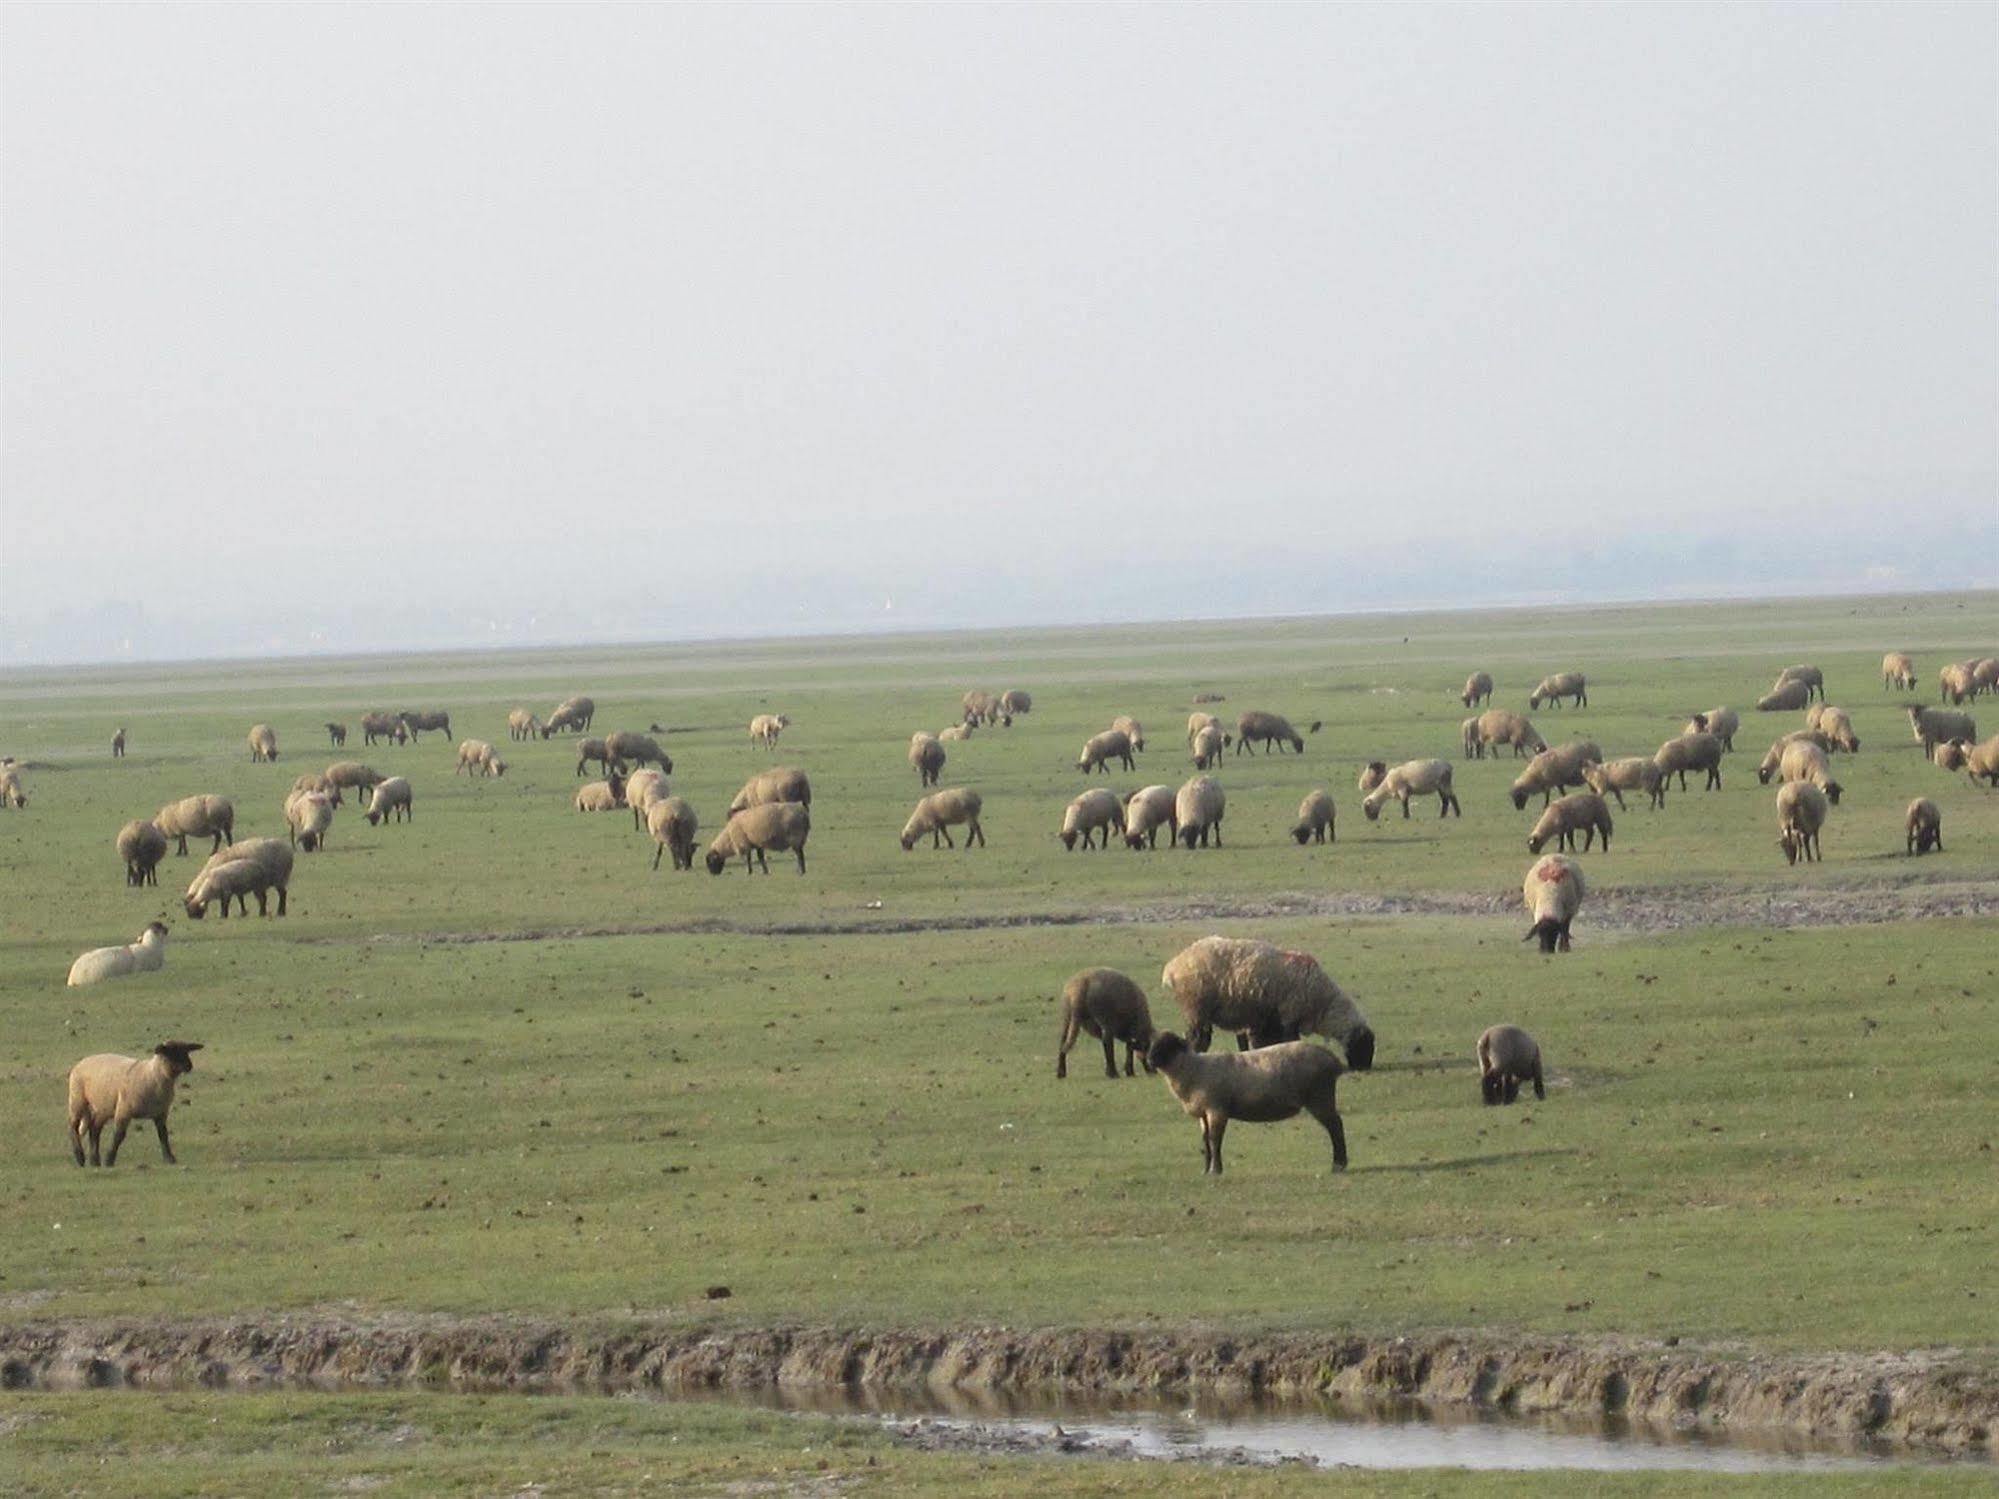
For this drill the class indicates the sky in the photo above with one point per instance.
(342, 327)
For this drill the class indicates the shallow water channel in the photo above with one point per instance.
(1390, 1434)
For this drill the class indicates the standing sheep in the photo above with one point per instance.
(1811, 676)
(1555, 770)
(939, 812)
(1775, 756)
(1199, 721)
(1553, 892)
(392, 802)
(422, 719)
(1632, 773)
(1553, 689)
(141, 845)
(1264, 993)
(1985, 674)
(1983, 762)
(350, 775)
(263, 744)
(1106, 1004)
(673, 826)
(11, 794)
(1924, 824)
(1805, 761)
(1411, 778)
(1260, 1087)
(1132, 729)
(118, 744)
(1095, 811)
(147, 955)
(382, 726)
(1801, 812)
(926, 758)
(521, 724)
(1271, 730)
(765, 728)
(1956, 681)
(232, 876)
(1836, 725)
(774, 827)
(572, 714)
(593, 751)
(308, 814)
(979, 707)
(1690, 752)
(1208, 746)
(1720, 722)
(1508, 1057)
(1785, 697)
(1478, 689)
(1198, 808)
(110, 1089)
(477, 757)
(1100, 749)
(642, 789)
(1934, 726)
(1146, 811)
(1014, 703)
(336, 735)
(628, 748)
(1497, 726)
(1584, 812)
(1315, 819)
(784, 784)
(1898, 672)
(197, 817)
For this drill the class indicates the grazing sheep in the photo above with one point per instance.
(1100, 749)
(593, 750)
(1508, 1057)
(1198, 807)
(1956, 681)
(1985, 674)
(351, 775)
(273, 859)
(572, 713)
(926, 758)
(1260, 1087)
(118, 743)
(392, 802)
(1553, 689)
(1952, 754)
(1801, 812)
(110, 1089)
(336, 735)
(939, 812)
(642, 789)
(1411, 778)
(774, 827)
(197, 817)
(422, 719)
(606, 795)
(628, 748)
(1146, 811)
(1925, 826)
(1583, 812)
(521, 724)
(784, 784)
(1898, 671)
(1132, 729)
(1015, 703)
(765, 728)
(477, 757)
(313, 780)
(1835, 725)
(382, 726)
(1934, 726)
(263, 743)
(234, 879)
(11, 794)
(1554, 770)
(1720, 722)
(1095, 811)
(1265, 994)
(982, 708)
(1803, 760)
(1774, 757)
(1811, 676)
(955, 733)
(1497, 726)
(1208, 746)
(1271, 730)
(147, 955)
(1315, 819)
(141, 845)
(1478, 689)
(1983, 761)
(1688, 752)
(1107, 1005)
(1199, 721)
(1785, 697)
(1632, 773)
(1553, 892)
(308, 814)
(673, 826)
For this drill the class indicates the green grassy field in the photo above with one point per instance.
(1784, 1137)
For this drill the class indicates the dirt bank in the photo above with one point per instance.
(1929, 1400)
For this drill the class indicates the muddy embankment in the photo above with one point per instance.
(1934, 1401)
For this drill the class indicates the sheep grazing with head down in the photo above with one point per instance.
(642, 789)
(118, 742)
(773, 827)
(147, 955)
(1497, 726)
(1956, 681)
(1198, 808)
(1985, 674)
(1898, 672)
(1774, 757)
(392, 801)
(1557, 769)
(673, 825)
(1096, 811)
(1981, 762)
(1014, 703)
(594, 751)
(336, 734)
(1583, 812)
(1271, 730)
(628, 748)
(1100, 749)
(1934, 726)
(1563, 685)
(1265, 994)
(1508, 1057)
(1835, 726)
(1384, 783)
(522, 724)
(1811, 676)
(1104, 1003)
(1132, 729)
(114, 1090)
(197, 817)
(926, 758)
(1553, 892)
(382, 726)
(1146, 811)
(1801, 812)
(478, 758)
(939, 812)
(1478, 689)
(1698, 752)
(1260, 1087)
(571, 715)
(1208, 746)
(256, 866)
(1924, 825)
(426, 719)
(1720, 722)
(350, 775)
(308, 814)
(980, 707)
(141, 845)
(786, 783)
(1632, 773)
(1316, 816)
(263, 743)
(1805, 761)
(1952, 754)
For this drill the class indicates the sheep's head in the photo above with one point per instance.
(1548, 930)
(308, 841)
(179, 1055)
(908, 840)
(1534, 842)
(1372, 774)
(1068, 837)
(1833, 791)
(496, 767)
(716, 862)
(1360, 1049)
(1191, 836)
(1303, 833)
(1491, 1086)
(156, 929)
(1371, 805)
(1763, 772)
(197, 905)
(1519, 799)
(1166, 1049)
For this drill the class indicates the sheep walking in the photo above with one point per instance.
(1478, 689)
(1095, 812)
(1562, 686)
(1934, 726)
(1553, 892)
(1700, 752)
(1553, 770)
(1508, 1057)
(1632, 773)
(784, 784)
(263, 744)
(426, 719)
(1898, 672)
(774, 827)
(1100, 749)
(939, 812)
(1108, 1005)
(1583, 812)
(114, 1090)
(765, 728)
(1146, 811)
(673, 826)
(392, 802)
(1258, 1087)
(141, 845)
(1924, 825)
(147, 955)
(1265, 994)
(1316, 816)
(1956, 681)
(1801, 812)
(1198, 808)
(926, 758)
(1271, 730)
(204, 816)
(1720, 722)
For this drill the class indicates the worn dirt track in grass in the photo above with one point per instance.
(1625, 911)
(1929, 1400)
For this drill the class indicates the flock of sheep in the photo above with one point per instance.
(1268, 998)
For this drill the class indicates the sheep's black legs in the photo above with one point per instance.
(117, 1139)
(165, 1149)
(76, 1140)
(947, 838)
(1329, 1116)
(1110, 1055)
(96, 1134)
(1212, 1128)
(978, 833)
(1129, 1052)
(801, 860)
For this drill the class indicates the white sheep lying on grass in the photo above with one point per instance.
(147, 955)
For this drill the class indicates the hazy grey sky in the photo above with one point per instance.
(356, 326)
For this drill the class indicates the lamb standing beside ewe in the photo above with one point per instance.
(1411, 778)
(110, 1089)
(572, 714)
(1553, 689)
(141, 845)
(1095, 811)
(1925, 826)
(1316, 816)
(594, 750)
(1584, 812)
(1100, 749)
(1106, 1004)
(939, 812)
(263, 743)
(673, 826)
(1553, 892)
(926, 758)
(1801, 812)
(1260, 1087)
(1208, 745)
(1508, 1057)
(1198, 807)
(774, 827)
(147, 955)
(1271, 730)
(392, 797)
(1265, 994)
(1934, 726)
